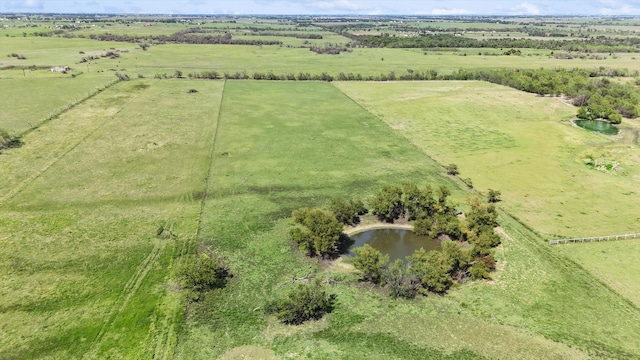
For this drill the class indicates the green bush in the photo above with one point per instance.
(321, 235)
(347, 211)
(370, 262)
(400, 280)
(304, 302)
(204, 274)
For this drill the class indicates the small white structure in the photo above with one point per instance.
(60, 69)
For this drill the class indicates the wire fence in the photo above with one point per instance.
(595, 238)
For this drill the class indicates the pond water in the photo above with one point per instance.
(397, 243)
(602, 127)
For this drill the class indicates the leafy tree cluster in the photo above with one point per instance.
(187, 36)
(319, 233)
(346, 211)
(597, 96)
(330, 49)
(430, 210)
(436, 271)
(448, 40)
(309, 36)
(589, 89)
(204, 274)
(304, 302)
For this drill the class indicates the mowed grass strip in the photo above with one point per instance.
(521, 144)
(86, 273)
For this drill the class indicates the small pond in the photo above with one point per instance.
(602, 127)
(397, 243)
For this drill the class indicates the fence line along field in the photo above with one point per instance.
(128, 169)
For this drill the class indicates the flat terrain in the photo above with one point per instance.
(120, 183)
(84, 273)
(521, 144)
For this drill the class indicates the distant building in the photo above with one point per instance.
(62, 69)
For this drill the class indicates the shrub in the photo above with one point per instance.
(370, 262)
(204, 274)
(493, 196)
(304, 302)
(400, 280)
(452, 169)
(8, 141)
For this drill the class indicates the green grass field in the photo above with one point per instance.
(86, 275)
(521, 144)
(614, 263)
(33, 98)
(284, 153)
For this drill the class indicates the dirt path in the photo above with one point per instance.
(352, 230)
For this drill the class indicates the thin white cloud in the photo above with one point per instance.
(526, 8)
(25, 4)
(450, 12)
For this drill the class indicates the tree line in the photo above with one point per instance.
(592, 44)
(590, 89)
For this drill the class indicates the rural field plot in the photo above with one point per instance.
(615, 263)
(85, 264)
(521, 144)
(283, 145)
(31, 100)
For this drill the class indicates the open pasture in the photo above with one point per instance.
(35, 95)
(521, 144)
(282, 145)
(615, 263)
(102, 204)
(280, 59)
(84, 272)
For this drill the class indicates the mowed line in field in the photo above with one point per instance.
(165, 153)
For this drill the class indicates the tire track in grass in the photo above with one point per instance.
(166, 340)
(125, 295)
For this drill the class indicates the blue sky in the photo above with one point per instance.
(364, 7)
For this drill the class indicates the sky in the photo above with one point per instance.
(329, 7)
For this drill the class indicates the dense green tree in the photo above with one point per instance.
(321, 235)
(431, 269)
(347, 211)
(446, 224)
(387, 204)
(456, 259)
(480, 215)
(304, 302)
(369, 262)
